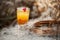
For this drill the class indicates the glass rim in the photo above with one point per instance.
(20, 8)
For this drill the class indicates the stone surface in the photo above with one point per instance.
(18, 32)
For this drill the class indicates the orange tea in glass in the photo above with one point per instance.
(22, 15)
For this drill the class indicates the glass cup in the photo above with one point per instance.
(22, 15)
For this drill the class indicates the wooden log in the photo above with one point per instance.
(49, 22)
(49, 32)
